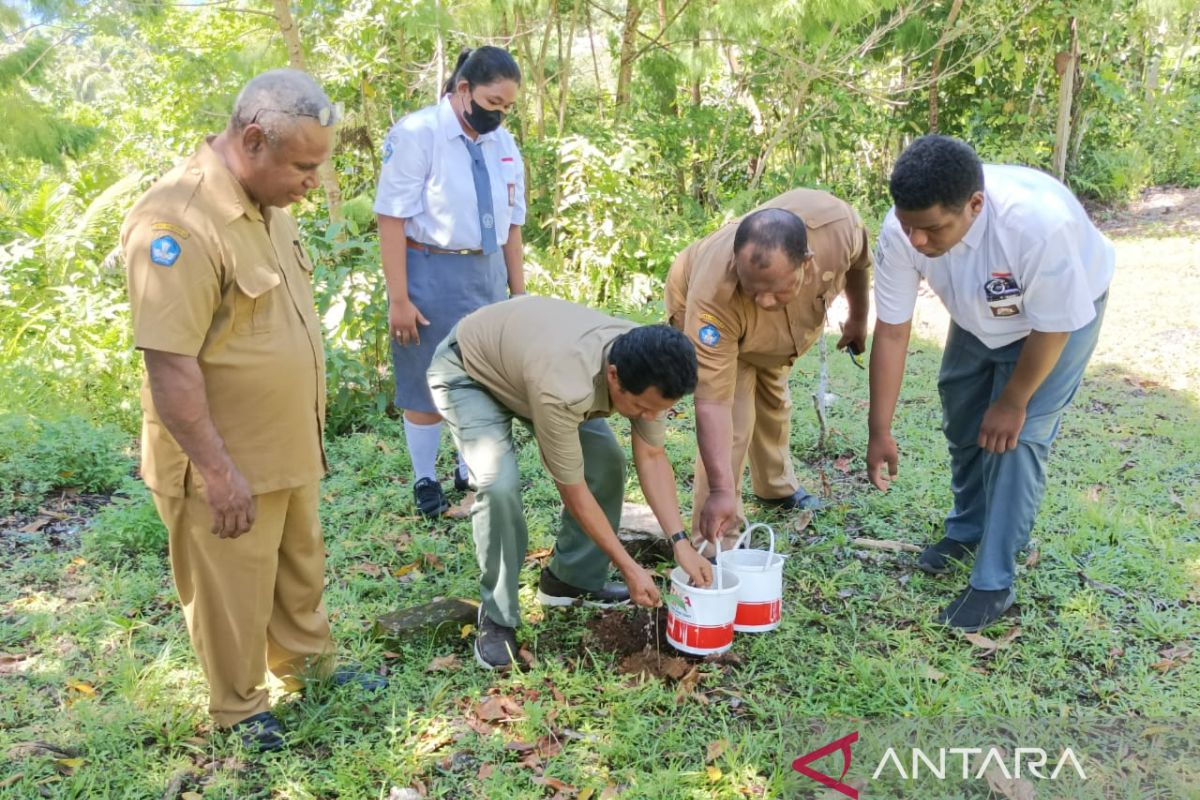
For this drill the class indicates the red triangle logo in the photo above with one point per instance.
(843, 744)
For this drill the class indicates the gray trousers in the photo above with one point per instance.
(996, 496)
(482, 429)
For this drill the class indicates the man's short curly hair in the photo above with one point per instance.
(655, 355)
(936, 170)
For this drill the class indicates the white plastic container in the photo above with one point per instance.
(700, 621)
(760, 583)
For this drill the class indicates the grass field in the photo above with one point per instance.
(101, 697)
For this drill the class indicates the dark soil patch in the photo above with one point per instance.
(624, 632)
(56, 525)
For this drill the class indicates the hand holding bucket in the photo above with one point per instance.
(700, 621)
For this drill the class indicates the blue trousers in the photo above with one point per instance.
(996, 496)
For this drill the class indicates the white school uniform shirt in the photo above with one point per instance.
(1031, 260)
(426, 179)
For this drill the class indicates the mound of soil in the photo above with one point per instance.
(639, 638)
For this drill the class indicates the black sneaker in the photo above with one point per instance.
(495, 644)
(553, 592)
(800, 500)
(355, 675)
(261, 732)
(431, 500)
(940, 557)
(461, 482)
(975, 609)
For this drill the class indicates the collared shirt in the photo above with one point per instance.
(211, 275)
(545, 360)
(426, 179)
(1031, 261)
(704, 299)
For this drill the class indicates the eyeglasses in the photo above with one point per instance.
(328, 115)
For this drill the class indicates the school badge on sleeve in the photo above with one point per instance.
(165, 251)
(709, 335)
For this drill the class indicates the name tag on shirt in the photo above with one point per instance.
(509, 173)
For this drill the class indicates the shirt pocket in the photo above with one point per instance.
(301, 255)
(256, 306)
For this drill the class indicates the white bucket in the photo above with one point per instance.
(760, 581)
(700, 621)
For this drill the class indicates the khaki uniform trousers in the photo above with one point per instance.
(252, 603)
(762, 411)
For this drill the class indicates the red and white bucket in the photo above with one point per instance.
(700, 621)
(760, 583)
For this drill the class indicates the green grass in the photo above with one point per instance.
(99, 664)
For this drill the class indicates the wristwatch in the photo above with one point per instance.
(676, 538)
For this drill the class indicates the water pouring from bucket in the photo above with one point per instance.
(760, 582)
(700, 621)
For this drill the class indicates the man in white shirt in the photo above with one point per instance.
(1024, 275)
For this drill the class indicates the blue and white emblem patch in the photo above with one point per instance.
(387, 150)
(165, 251)
(709, 335)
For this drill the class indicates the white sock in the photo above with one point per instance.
(462, 467)
(423, 441)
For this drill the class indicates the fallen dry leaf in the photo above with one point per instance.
(407, 569)
(431, 744)
(801, 521)
(485, 771)
(527, 657)
(715, 750)
(431, 561)
(500, 708)
(990, 646)
(463, 509)
(10, 662)
(713, 773)
(443, 663)
(83, 687)
(1171, 658)
(367, 568)
(609, 792)
(538, 555)
(1035, 556)
(466, 631)
(555, 784)
(1011, 788)
(36, 525)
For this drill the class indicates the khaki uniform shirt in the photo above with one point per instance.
(213, 276)
(703, 293)
(545, 360)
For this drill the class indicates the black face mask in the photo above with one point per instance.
(483, 120)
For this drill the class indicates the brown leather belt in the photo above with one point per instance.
(438, 251)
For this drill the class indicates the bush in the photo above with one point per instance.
(40, 456)
(127, 527)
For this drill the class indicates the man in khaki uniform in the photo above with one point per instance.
(234, 400)
(753, 297)
(562, 369)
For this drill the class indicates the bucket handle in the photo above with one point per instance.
(744, 539)
(720, 584)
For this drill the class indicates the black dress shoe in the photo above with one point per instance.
(800, 500)
(495, 644)
(553, 592)
(261, 732)
(430, 499)
(940, 557)
(975, 609)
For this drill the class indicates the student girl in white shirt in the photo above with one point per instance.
(450, 204)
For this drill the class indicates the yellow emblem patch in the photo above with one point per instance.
(711, 320)
(182, 233)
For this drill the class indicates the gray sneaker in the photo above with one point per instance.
(554, 592)
(495, 644)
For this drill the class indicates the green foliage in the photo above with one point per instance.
(38, 456)
(126, 528)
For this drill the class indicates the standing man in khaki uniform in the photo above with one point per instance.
(753, 297)
(561, 368)
(234, 397)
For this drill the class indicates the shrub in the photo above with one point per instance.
(127, 527)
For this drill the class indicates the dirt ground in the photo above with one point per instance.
(1161, 210)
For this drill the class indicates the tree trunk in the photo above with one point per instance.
(291, 38)
(937, 65)
(587, 10)
(633, 12)
(1066, 63)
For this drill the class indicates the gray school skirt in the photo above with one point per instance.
(445, 288)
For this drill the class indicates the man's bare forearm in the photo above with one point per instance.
(178, 388)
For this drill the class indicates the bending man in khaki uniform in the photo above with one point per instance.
(234, 401)
(752, 297)
(562, 369)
